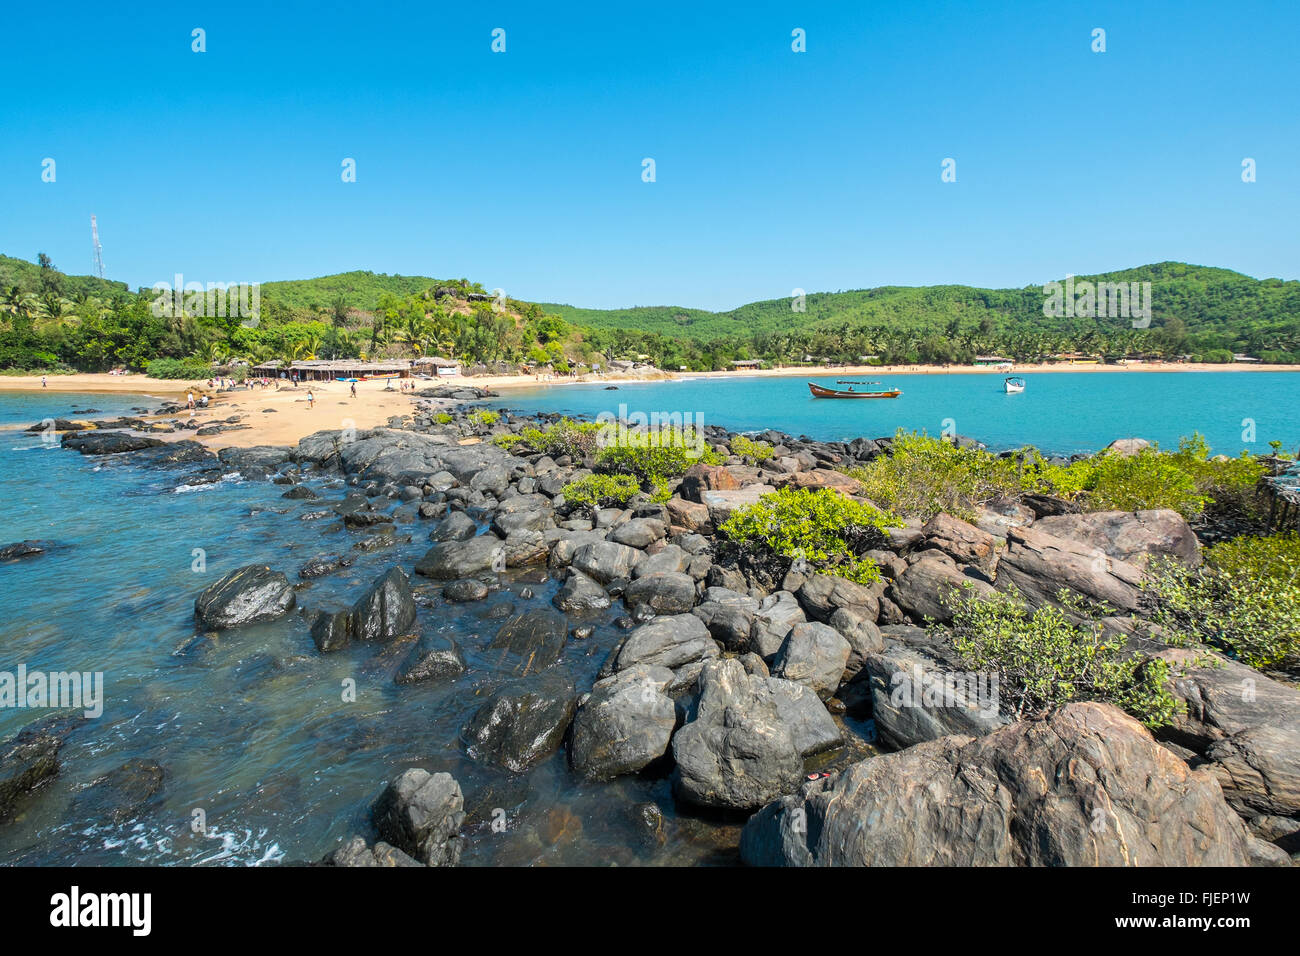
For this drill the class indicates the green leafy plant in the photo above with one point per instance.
(443, 418)
(750, 450)
(484, 417)
(602, 491)
(652, 457)
(1245, 600)
(179, 369)
(823, 527)
(1043, 660)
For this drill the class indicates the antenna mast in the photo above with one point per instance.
(99, 252)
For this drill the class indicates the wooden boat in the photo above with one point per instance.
(820, 392)
(1013, 385)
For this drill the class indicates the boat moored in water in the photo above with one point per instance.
(1013, 385)
(819, 391)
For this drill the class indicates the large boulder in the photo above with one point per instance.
(638, 532)
(701, 478)
(776, 615)
(813, 654)
(421, 814)
(107, 442)
(457, 526)
(566, 545)
(625, 724)
(606, 560)
(248, 595)
(448, 560)
(739, 747)
(580, 594)
(669, 560)
(522, 723)
(920, 691)
(1245, 726)
(1088, 786)
(729, 616)
(386, 610)
(1132, 536)
(356, 853)
(435, 657)
(665, 593)
(679, 642)
(1039, 565)
(821, 595)
(964, 543)
(932, 585)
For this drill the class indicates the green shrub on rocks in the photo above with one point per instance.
(602, 491)
(442, 418)
(484, 417)
(1245, 600)
(652, 457)
(823, 527)
(750, 450)
(1043, 660)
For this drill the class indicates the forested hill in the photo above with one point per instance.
(1203, 298)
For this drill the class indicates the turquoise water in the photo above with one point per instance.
(1060, 412)
(252, 729)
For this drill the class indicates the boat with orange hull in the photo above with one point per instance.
(819, 391)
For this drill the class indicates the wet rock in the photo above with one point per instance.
(107, 442)
(1088, 786)
(22, 549)
(249, 595)
(624, 725)
(436, 657)
(386, 610)
(580, 594)
(122, 794)
(525, 547)
(522, 723)
(323, 565)
(30, 760)
(464, 590)
(449, 560)
(332, 631)
(531, 641)
(421, 814)
(300, 493)
(355, 852)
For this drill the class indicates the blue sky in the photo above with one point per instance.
(775, 170)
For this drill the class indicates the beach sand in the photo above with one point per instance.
(282, 417)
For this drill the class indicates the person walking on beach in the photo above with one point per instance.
(189, 399)
(310, 398)
(43, 385)
(354, 389)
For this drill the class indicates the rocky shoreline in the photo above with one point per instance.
(763, 691)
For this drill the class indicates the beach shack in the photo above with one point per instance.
(746, 364)
(329, 370)
(436, 365)
(995, 361)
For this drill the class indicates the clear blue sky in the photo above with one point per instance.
(775, 170)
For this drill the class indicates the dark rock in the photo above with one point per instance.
(30, 760)
(122, 794)
(813, 654)
(22, 549)
(449, 560)
(532, 639)
(386, 610)
(522, 723)
(436, 657)
(624, 725)
(580, 594)
(665, 593)
(465, 589)
(421, 814)
(248, 595)
(355, 852)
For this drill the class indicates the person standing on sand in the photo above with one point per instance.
(354, 389)
(311, 399)
(43, 385)
(189, 399)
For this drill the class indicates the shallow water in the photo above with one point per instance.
(1059, 412)
(252, 728)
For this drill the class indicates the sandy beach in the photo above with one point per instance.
(282, 416)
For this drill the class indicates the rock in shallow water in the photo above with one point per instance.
(624, 725)
(522, 723)
(421, 813)
(248, 595)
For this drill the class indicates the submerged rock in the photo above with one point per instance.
(121, 794)
(30, 760)
(522, 723)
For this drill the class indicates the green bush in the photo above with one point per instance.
(1043, 660)
(652, 457)
(823, 527)
(507, 440)
(179, 369)
(923, 476)
(442, 418)
(750, 450)
(1245, 600)
(484, 417)
(602, 491)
